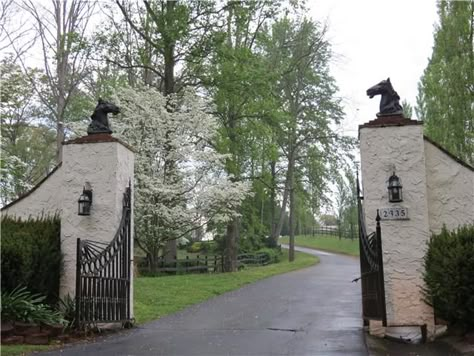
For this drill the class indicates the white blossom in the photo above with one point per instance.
(180, 181)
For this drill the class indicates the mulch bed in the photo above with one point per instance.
(14, 333)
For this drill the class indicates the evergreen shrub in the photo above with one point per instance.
(449, 276)
(31, 256)
(273, 254)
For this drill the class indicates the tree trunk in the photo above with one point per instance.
(233, 227)
(61, 72)
(231, 244)
(171, 250)
(283, 206)
(169, 59)
(153, 260)
(291, 254)
(169, 87)
(273, 236)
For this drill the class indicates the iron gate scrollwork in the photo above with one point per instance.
(103, 275)
(371, 267)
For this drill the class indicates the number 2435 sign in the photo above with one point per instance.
(394, 214)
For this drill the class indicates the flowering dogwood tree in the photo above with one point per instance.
(180, 183)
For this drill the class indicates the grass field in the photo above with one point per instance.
(328, 243)
(157, 297)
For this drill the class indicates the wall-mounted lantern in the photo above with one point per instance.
(394, 189)
(85, 201)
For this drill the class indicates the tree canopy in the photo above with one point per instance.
(445, 99)
(230, 106)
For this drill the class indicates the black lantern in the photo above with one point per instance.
(394, 189)
(85, 202)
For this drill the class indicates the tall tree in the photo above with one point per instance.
(301, 54)
(237, 80)
(27, 146)
(407, 109)
(60, 29)
(346, 203)
(168, 42)
(446, 89)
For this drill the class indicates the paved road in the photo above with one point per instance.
(311, 312)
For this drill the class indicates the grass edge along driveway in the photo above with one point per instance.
(326, 243)
(157, 297)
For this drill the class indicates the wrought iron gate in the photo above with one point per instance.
(103, 275)
(371, 267)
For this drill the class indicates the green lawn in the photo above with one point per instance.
(17, 350)
(157, 297)
(328, 243)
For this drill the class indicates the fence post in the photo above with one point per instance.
(186, 263)
(207, 265)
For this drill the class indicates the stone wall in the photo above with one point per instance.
(43, 199)
(451, 189)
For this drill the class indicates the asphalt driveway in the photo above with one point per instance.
(314, 311)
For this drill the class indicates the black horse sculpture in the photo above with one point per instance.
(100, 121)
(389, 103)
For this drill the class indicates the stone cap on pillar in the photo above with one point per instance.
(97, 138)
(390, 120)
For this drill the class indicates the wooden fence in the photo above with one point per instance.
(258, 259)
(198, 264)
(344, 234)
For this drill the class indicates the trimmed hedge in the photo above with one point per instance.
(31, 256)
(449, 276)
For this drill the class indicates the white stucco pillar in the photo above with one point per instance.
(390, 144)
(107, 165)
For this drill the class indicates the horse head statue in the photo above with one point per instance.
(100, 121)
(389, 103)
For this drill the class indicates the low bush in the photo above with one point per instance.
(22, 305)
(200, 246)
(31, 256)
(449, 276)
(67, 307)
(273, 254)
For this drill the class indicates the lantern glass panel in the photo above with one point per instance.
(394, 189)
(84, 205)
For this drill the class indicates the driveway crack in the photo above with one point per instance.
(289, 330)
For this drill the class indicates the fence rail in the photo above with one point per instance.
(258, 259)
(198, 264)
(344, 234)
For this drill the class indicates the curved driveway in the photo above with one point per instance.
(310, 312)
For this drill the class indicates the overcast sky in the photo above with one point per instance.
(373, 40)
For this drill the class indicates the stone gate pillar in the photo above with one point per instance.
(395, 144)
(106, 164)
